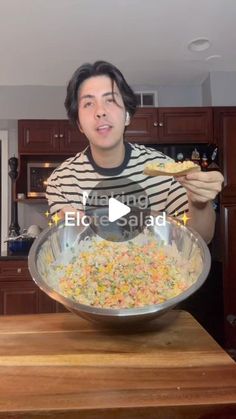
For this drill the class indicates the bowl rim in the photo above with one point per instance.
(119, 312)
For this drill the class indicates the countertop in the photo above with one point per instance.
(63, 367)
(5, 255)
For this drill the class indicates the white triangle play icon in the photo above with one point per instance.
(117, 210)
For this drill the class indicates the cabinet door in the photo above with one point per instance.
(14, 270)
(18, 292)
(143, 127)
(225, 134)
(71, 139)
(48, 305)
(185, 125)
(18, 297)
(38, 136)
(229, 222)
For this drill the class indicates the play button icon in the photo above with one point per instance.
(117, 210)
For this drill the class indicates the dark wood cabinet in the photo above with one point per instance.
(225, 134)
(185, 125)
(45, 141)
(149, 125)
(18, 292)
(143, 127)
(18, 297)
(171, 125)
(229, 274)
(49, 137)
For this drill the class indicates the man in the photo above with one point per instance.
(101, 103)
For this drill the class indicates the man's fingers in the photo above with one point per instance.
(214, 186)
(206, 177)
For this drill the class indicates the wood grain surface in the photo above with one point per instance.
(61, 366)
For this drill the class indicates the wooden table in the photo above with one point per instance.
(60, 366)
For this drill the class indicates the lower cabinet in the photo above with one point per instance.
(18, 292)
(229, 231)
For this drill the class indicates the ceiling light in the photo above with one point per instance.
(213, 57)
(199, 44)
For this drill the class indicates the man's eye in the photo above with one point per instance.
(110, 100)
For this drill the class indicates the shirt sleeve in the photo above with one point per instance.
(177, 200)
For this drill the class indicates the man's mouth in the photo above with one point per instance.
(104, 128)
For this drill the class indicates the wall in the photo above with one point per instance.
(206, 92)
(174, 95)
(47, 102)
(28, 102)
(223, 88)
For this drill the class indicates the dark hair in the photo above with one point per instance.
(99, 68)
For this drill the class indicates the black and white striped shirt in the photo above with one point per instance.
(80, 174)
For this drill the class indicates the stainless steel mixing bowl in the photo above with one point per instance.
(58, 242)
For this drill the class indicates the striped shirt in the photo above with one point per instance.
(79, 174)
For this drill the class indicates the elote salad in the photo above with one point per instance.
(125, 275)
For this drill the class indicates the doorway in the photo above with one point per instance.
(4, 189)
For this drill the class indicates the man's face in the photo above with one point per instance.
(101, 118)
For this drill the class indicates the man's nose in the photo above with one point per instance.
(100, 111)
(100, 114)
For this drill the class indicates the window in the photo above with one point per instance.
(148, 99)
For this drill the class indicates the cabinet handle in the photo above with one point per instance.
(155, 124)
(231, 318)
(61, 135)
(19, 270)
(55, 135)
(160, 124)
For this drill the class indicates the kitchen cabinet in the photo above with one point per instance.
(45, 141)
(49, 137)
(18, 292)
(229, 240)
(171, 125)
(149, 125)
(225, 134)
(143, 127)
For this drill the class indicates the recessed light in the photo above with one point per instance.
(213, 57)
(199, 44)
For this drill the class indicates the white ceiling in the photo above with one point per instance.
(43, 41)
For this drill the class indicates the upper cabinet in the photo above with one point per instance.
(149, 125)
(171, 125)
(225, 135)
(49, 137)
(143, 127)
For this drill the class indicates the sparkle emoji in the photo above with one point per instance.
(185, 218)
(56, 218)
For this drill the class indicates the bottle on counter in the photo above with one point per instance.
(213, 165)
(195, 157)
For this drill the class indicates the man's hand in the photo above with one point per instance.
(202, 187)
